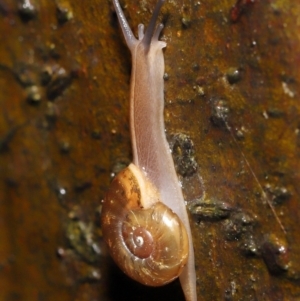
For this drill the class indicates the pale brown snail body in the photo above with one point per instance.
(144, 218)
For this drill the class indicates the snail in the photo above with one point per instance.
(144, 218)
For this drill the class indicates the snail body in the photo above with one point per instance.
(146, 239)
(144, 218)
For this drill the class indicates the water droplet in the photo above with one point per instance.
(33, 94)
(233, 75)
(27, 11)
(62, 191)
(64, 14)
(275, 254)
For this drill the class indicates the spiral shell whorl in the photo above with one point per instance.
(146, 239)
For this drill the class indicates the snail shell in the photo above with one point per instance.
(146, 239)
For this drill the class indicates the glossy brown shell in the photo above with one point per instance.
(145, 238)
